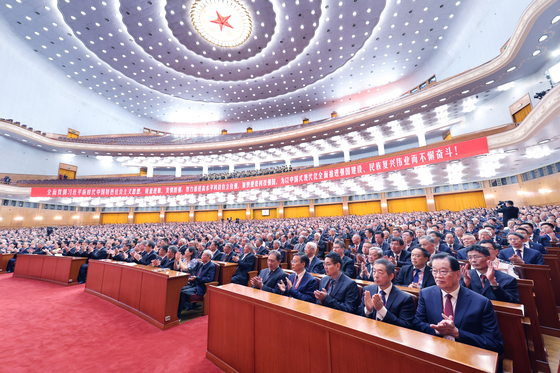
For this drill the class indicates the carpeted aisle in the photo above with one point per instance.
(51, 328)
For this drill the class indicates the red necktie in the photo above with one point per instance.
(297, 281)
(448, 306)
(482, 278)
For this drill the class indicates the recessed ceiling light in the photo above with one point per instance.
(490, 82)
(543, 141)
(536, 53)
(425, 105)
(510, 151)
(555, 19)
(7, 134)
(54, 150)
(407, 111)
(442, 99)
(511, 69)
(466, 91)
(39, 145)
(543, 38)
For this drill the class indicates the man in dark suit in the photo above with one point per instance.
(388, 303)
(397, 255)
(261, 249)
(408, 238)
(98, 252)
(366, 269)
(168, 260)
(483, 280)
(337, 290)
(315, 265)
(149, 255)
(197, 283)
(380, 242)
(534, 236)
(517, 254)
(245, 263)
(347, 262)
(528, 243)
(451, 243)
(270, 277)
(509, 211)
(299, 285)
(439, 246)
(357, 244)
(468, 240)
(455, 312)
(419, 274)
(228, 253)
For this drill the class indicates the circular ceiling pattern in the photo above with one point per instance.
(229, 29)
(300, 55)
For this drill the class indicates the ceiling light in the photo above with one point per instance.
(543, 38)
(489, 82)
(536, 53)
(506, 86)
(555, 19)
(511, 69)
(510, 151)
(543, 141)
(466, 91)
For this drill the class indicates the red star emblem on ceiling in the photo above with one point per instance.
(222, 21)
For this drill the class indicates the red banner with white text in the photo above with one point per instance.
(389, 163)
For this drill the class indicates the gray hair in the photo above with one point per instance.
(428, 238)
(208, 252)
(313, 245)
(276, 254)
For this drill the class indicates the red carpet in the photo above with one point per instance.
(52, 328)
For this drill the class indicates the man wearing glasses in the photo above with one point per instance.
(484, 280)
(301, 284)
(455, 312)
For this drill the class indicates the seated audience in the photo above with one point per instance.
(315, 265)
(518, 254)
(336, 290)
(206, 272)
(245, 264)
(418, 275)
(270, 277)
(301, 284)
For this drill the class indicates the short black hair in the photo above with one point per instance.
(549, 224)
(529, 224)
(495, 245)
(398, 239)
(340, 243)
(389, 267)
(478, 248)
(302, 258)
(152, 244)
(453, 263)
(522, 229)
(425, 252)
(335, 258)
(436, 233)
(516, 235)
(173, 249)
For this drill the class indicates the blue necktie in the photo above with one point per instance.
(383, 297)
(415, 278)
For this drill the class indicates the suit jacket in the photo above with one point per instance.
(343, 297)
(360, 246)
(244, 265)
(406, 274)
(404, 257)
(167, 263)
(413, 245)
(505, 292)
(399, 305)
(147, 259)
(462, 254)
(509, 212)
(101, 254)
(218, 256)
(272, 279)
(529, 256)
(299, 247)
(287, 246)
(537, 246)
(370, 270)
(305, 290)
(348, 266)
(262, 250)
(444, 248)
(474, 317)
(204, 273)
(383, 247)
(456, 246)
(316, 266)
(228, 258)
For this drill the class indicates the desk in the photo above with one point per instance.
(150, 293)
(331, 340)
(226, 271)
(4, 258)
(61, 270)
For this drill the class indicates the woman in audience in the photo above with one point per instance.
(186, 263)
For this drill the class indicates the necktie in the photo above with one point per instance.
(482, 279)
(415, 277)
(518, 252)
(397, 257)
(383, 297)
(448, 306)
(330, 286)
(199, 272)
(296, 279)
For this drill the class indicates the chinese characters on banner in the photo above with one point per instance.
(430, 156)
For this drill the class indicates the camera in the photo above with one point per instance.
(501, 204)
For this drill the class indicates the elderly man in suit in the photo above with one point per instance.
(204, 273)
(468, 240)
(518, 254)
(366, 270)
(315, 265)
(419, 274)
(455, 312)
(385, 302)
(484, 280)
(299, 285)
(245, 263)
(337, 290)
(270, 277)
(451, 243)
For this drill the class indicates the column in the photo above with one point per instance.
(150, 171)
(430, 199)
(384, 208)
(281, 210)
(257, 166)
(231, 168)
(288, 162)
(311, 209)
(177, 171)
(315, 160)
(191, 214)
(381, 148)
(345, 206)
(421, 139)
(346, 155)
(205, 169)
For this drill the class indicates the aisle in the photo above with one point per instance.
(51, 328)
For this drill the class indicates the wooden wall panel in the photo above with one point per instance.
(296, 212)
(329, 210)
(114, 218)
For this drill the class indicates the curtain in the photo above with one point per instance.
(177, 216)
(460, 201)
(114, 218)
(364, 208)
(206, 215)
(257, 214)
(407, 204)
(234, 214)
(296, 212)
(328, 210)
(146, 217)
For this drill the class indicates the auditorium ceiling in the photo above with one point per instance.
(230, 61)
